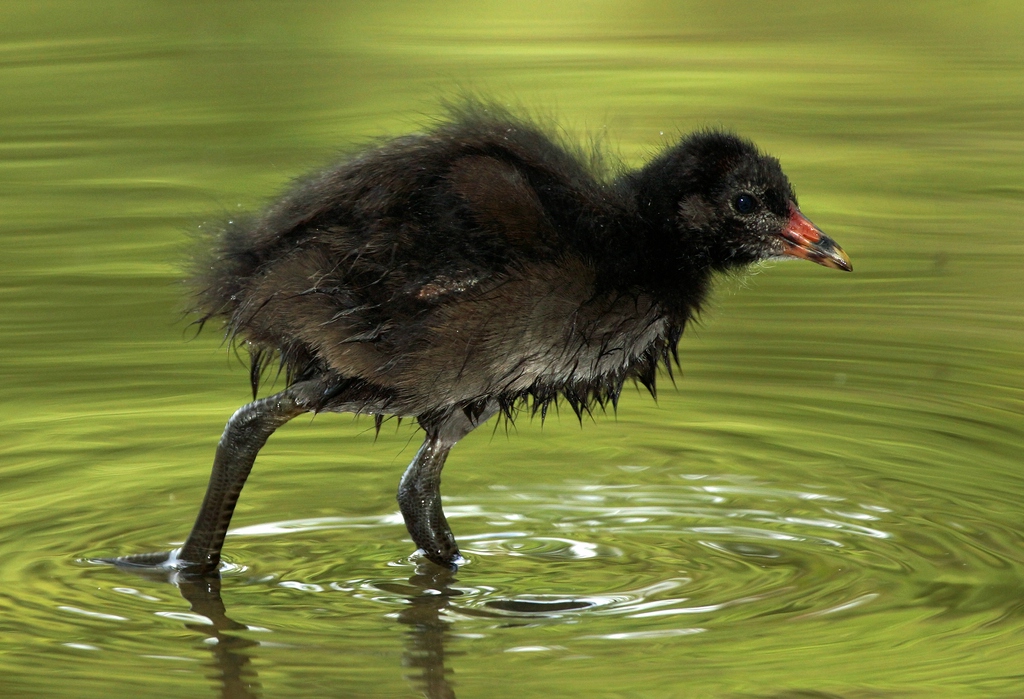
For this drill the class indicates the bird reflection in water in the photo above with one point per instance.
(428, 592)
(232, 654)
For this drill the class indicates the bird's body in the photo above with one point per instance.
(481, 261)
(472, 270)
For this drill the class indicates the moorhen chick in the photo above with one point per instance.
(476, 270)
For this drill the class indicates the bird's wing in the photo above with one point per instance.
(496, 222)
(500, 199)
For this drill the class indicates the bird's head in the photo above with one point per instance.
(721, 203)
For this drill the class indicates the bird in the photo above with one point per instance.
(482, 267)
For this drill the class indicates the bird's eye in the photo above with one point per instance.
(744, 203)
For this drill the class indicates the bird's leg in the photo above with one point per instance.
(245, 434)
(419, 492)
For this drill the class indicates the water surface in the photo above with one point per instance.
(827, 505)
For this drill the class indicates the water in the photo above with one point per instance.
(828, 505)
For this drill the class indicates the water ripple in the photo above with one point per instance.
(716, 551)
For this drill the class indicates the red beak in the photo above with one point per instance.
(804, 240)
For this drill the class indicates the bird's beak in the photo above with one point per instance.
(802, 239)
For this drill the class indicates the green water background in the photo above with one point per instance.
(828, 505)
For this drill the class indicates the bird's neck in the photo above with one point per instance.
(640, 248)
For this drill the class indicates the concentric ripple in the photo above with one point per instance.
(704, 549)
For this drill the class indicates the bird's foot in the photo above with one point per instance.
(447, 558)
(159, 562)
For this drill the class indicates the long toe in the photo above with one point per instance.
(158, 561)
(444, 556)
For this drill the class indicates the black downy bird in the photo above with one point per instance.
(477, 269)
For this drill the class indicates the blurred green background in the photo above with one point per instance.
(828, 504)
